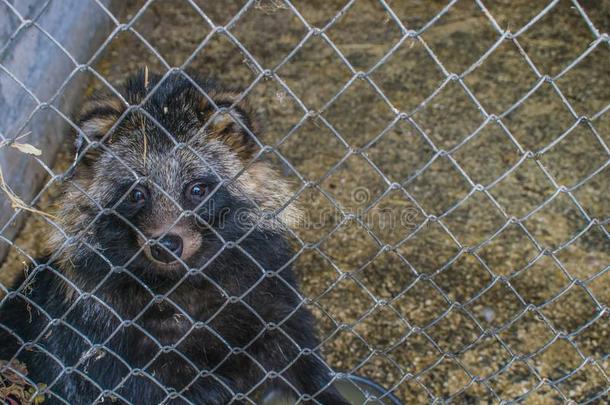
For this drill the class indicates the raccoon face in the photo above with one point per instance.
(165, 187)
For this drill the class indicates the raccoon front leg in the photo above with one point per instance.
(300, 369)
(211, 391)
(309, 375)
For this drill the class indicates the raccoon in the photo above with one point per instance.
(169, 274)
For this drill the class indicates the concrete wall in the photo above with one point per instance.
(30, 60)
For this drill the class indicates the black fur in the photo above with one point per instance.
(83, 325)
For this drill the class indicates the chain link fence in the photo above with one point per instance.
(451, 160)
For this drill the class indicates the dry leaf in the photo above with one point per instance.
(27, 148)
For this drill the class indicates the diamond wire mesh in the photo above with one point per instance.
(405, 375)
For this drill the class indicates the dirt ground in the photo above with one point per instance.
(430, 289)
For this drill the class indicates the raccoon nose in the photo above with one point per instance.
(169, 243)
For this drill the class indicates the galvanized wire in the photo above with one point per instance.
(601, 40)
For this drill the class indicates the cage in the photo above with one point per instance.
(450, 159)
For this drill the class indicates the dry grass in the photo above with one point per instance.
(15, 389)
(413, 314)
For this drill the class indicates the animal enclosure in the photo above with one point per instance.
(451, 160)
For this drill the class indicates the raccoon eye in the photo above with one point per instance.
(197, 190)
(137, 195)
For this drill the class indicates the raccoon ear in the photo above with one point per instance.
(95, 120)
(234, 127)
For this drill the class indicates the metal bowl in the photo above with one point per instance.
(355, 389)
